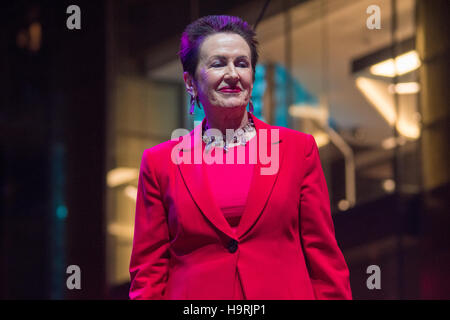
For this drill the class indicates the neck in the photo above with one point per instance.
(227, 118)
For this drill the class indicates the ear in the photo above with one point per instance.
(190, 84)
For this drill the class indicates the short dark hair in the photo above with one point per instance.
(197, 31)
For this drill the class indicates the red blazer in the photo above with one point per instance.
(284, 247)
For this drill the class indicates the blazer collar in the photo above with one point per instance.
(196, 180)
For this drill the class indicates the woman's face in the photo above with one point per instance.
(224, 75)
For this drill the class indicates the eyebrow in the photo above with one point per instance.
(224, 58)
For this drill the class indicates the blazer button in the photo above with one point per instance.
(232, 245)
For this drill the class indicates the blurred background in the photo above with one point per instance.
(79, 106)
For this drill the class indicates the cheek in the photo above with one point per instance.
(209, 81)
(247, 80)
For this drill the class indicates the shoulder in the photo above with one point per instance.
(156, 160)
(158, 157)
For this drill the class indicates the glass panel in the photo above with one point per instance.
(145, 114)
(340, 98)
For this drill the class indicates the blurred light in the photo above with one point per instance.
(389, 185)
(390, 143)
(131, 192)
(122, 231)
(404, 88)
(321, 138)
(404, 63)
(319, 114)
(61, 212)
(408, 129)
(344, 205)
(375, 92)
(121, 175)
(30, 38)
(309, 112)
(35, 32)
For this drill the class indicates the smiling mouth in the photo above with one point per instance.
(230, 90)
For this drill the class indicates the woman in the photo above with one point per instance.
(214, 223)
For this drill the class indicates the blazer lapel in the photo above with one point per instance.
(262, 184)
(196, 180)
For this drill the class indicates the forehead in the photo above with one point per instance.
(224, 44)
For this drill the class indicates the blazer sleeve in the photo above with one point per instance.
(150, 254)
(326, 265)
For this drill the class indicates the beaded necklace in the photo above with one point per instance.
(240, 137)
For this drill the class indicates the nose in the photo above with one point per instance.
(231, 74)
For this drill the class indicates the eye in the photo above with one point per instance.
(242, 64)
(217, 64)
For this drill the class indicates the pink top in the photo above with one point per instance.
(230, 184)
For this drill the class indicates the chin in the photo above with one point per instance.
(233, 103)
(230, 106)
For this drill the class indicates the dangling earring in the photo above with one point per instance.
(191, 111)
(251, 109)
(194, 101)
